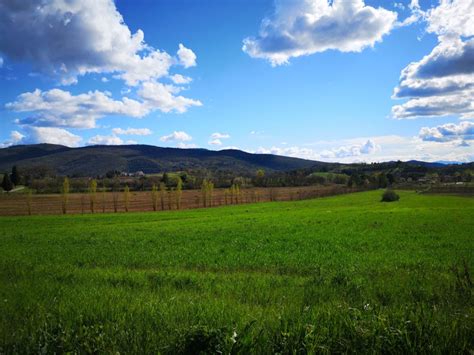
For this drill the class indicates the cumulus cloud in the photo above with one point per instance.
(177, 136)
(186, 56)
(216, 138)
(449, 132)
(305, 27)
(337, 153)
(355, 150)
(15, 138)
(442, 83)
(59, 108)
(132, 131)
(51, 135)
(179, 79)
(164, 98)
(215, 142)
(108, 140)
(218, 135)
(67, 39)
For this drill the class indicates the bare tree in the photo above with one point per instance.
(65, 195)
(126, 197)
(92, 194)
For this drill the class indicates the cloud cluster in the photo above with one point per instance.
(59, 108)
(216, 138)
(355, 150)
(345, 151)
(69, 39)
(299, 28)
(450, 132)
(176, 136)
(108, 140)
(132, 131)
(442, 83)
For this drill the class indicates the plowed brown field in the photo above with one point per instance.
(17, 204)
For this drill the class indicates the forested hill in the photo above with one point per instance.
(97, 160)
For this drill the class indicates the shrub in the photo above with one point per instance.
(390, 196)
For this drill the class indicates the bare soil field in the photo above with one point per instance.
(21, 204)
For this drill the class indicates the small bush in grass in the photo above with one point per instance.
(390, 196)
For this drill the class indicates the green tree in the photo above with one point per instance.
(65, 195)
(382, 180)
(165, 179)
(7, 184)
(15, 177)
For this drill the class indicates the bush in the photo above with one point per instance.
(390, 196)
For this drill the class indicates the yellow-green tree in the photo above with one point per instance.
(179, 193)
(92, 194)
(126, 197)
(103, 197)
(65, 195)
(162, 195)
(154, 196)
(204, 188)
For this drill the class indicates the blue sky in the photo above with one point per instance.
(306, 85)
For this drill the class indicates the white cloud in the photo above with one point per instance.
(186, 56)
(305, 27)
(177, 136)
(186, 145)
(180, 79)
(355, 150)
(59, 108)
(449, 132)
(15, 138)
(215, 142)
(66, 39)
(105, 140)
(452, 17)
(51, 135)
(132, 131)
(442, 83)
(163, 97)
(218, 135)
(394, 148)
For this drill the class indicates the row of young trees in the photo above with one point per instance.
(157, 195)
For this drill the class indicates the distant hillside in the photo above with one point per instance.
(97, 160)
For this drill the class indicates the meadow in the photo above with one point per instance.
(346, 273)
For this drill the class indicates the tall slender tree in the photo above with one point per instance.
(92, 194)
(154, 196)
(28, 201)
(179, 192)
(65, 194)
(7, 184)
(15, 177)
(162, 195)
(126, 197)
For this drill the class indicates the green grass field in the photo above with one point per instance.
(338, 274)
